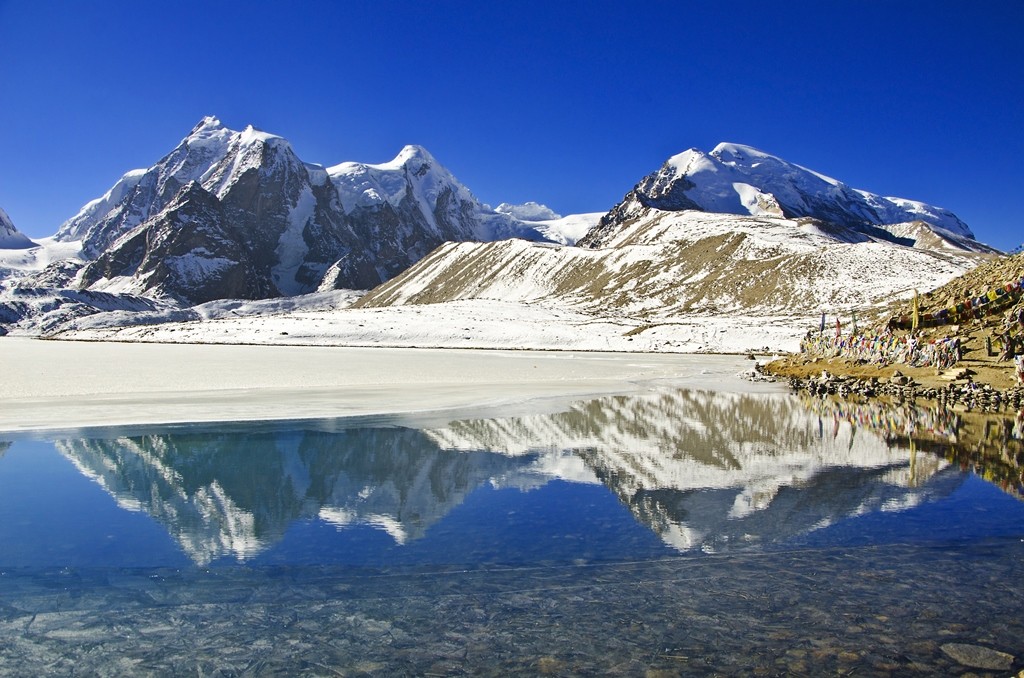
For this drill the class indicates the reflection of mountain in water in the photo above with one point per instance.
(989, 444)
(706, 469)
(234, 494)
(701, 469)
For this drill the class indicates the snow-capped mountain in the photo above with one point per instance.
(224, 214)
(10, 237)
(737, 179)
(735, 233)
(238, 214)
(417, 197)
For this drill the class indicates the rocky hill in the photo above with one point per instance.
(237, 214)
(680, 263)
(992, 274)
(979, 333)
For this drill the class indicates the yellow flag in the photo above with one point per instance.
(917, 314)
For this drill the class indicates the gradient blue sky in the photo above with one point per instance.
(566, 103)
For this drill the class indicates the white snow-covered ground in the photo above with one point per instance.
(70, 385)
(469, 323)
(46, 251)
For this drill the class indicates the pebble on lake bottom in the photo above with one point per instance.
(979, 657)
(866, 611)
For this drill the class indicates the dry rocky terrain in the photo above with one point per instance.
(981, 364)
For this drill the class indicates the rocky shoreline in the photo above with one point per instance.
(964, 393)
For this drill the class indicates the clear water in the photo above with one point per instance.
(673, 533)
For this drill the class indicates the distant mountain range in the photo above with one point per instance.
(735, 231)
(233, 214)
(237, 215)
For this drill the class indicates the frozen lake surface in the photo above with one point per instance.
(68, 384)
(662, 531)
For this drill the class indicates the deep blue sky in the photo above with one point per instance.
(566, 103)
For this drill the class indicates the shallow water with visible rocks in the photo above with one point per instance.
(662, 534)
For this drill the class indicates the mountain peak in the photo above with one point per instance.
(728, 152)
(10, 237)
(412, 154)
(207, 125)
(210, 132)
(739, 179)
(251, 134)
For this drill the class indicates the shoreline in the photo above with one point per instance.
(974, 385)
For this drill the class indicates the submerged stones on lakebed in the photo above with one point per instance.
(978, 657)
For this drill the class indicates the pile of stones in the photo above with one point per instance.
(901, 388)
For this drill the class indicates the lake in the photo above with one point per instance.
(673, 532)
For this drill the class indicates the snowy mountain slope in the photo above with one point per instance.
(554, 227)
(470, 324)
(736, 179)
(15, 264)
(676, 263)
(100, 210)
(10, 237)
(32, 311)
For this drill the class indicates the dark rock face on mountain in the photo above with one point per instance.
(238, 214)
(189, 251)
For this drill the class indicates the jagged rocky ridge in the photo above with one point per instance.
(238, 215)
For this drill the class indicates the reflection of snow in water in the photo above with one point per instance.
(704, 470)
(341, 519)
